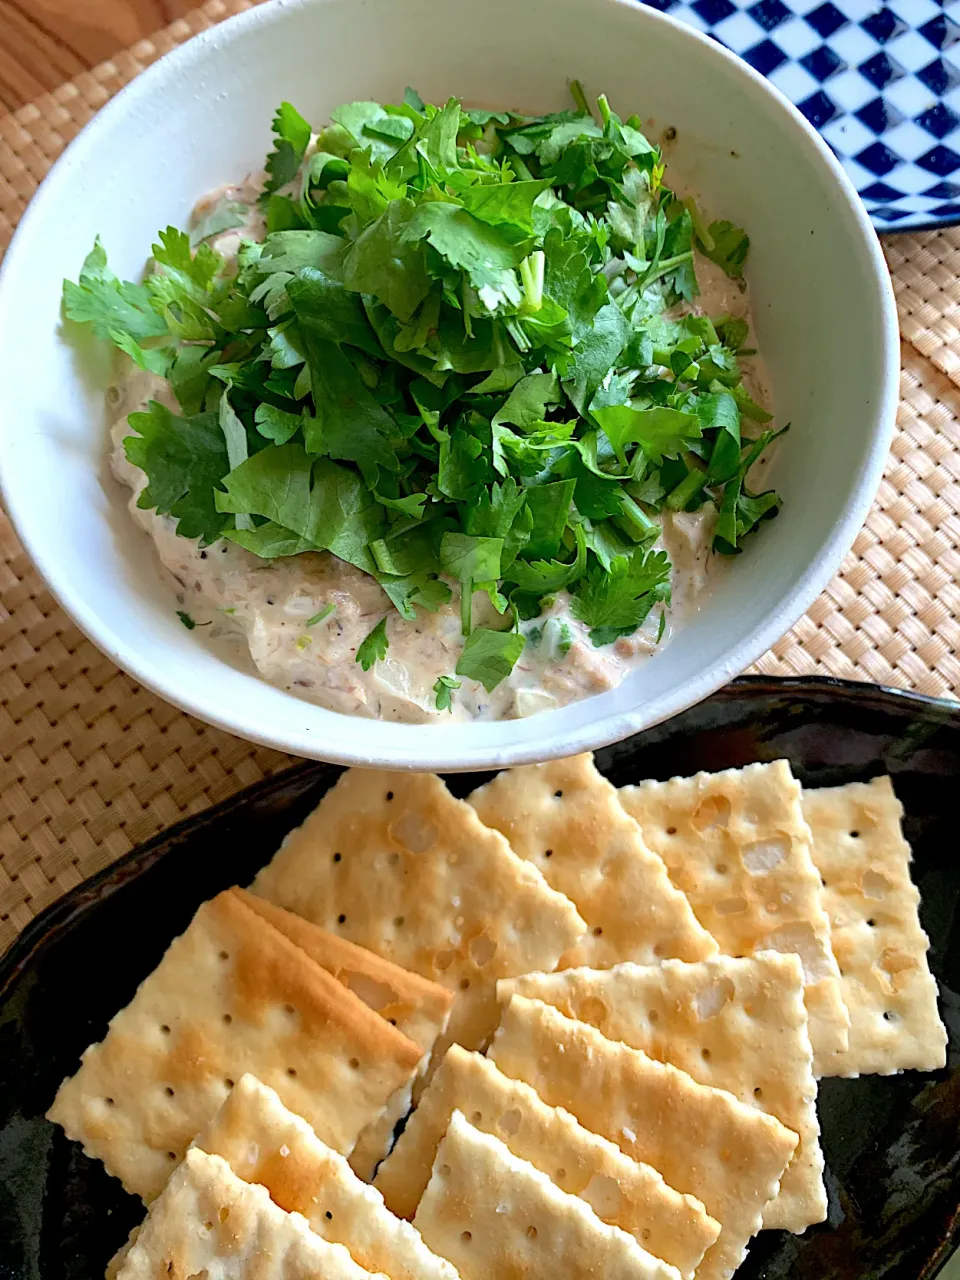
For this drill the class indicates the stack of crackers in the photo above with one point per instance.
(601, 1015)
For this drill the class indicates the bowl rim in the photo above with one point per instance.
(445, 747)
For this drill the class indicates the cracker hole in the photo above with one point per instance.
(721, 868)
(228, 1082)
(466, 1236)
(165, 1030)
(705, 1054)
(445, 1171)
(328, 1215)
(557, 795)
(110, 1102)
(871, 923)
(389, 795)
(341, 918)
(292, 1072)
(224, 955)
(397, 922)
(654, 1016)
(561, 1174)
(509, 1122)
(224, 1213)
(758, 1092)
(171, 1155)
(355, 1064)
(531, 1232)
(597, 931)
(208, 1226)
(393, 859)
(338, 857)
(854, 835)
(168, 1091)
(645, 1233)
(289, 1009)
(227, 1019)
(476, 1118)
(671, 831)
(464, 984)
(889, 1016)
(548, 853)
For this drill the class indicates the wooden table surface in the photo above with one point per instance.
(44, 42)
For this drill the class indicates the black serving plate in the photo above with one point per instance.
(892, 1145)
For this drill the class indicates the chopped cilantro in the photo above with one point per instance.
(444, 688)
(374, 647)
(490, 656)
(322, 616)
(187, 621)
(458, 355)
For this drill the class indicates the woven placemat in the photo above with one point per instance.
(91, 764)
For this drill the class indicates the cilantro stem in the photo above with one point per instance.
(531, 274)
(520, 169)
(665, 265)
(687, 489)
(604, 108)
(466, 606)
(324, 613)
(579, 97)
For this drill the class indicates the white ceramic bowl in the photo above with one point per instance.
(822, 301)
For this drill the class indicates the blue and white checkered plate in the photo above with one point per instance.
(881, 83)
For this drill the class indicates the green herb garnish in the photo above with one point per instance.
(322, 616)
(374, 647)
(444, 688)
(454, 362)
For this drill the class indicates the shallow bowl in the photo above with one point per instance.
(823, 309)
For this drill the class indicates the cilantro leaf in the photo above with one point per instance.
(527, 402)
(292, 134)
(384, 261)
(374, 647)
(327, 309)
(504, 202)
(444, 688)
(490, 656)
(660, 432)
(468, 558)
(277, 424)
(614, 602)
(351, 424)
(109, 305)
(187, 621)
(727, 245)
(184, 460)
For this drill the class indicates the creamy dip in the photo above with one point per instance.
(263, 606)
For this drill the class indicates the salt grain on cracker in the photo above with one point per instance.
(565, 819)
(393, 862)
(703, 1141)
(734, 1024)
(738, 846)
(230, 995)
(625, 1194)
(494, 1216)
(860, 852)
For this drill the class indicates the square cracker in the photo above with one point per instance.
(564, 818)
(264, 1142)
(395, 863)
(416, 1006)
(623, 1193)
(738, 1025)
(494, 1216)
(703, 1141)
(208, 1222)
(230, 995)
(738, 846)
(864, 861)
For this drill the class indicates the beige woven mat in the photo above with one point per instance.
(91, 764)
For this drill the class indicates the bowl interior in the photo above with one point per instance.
(821, 303)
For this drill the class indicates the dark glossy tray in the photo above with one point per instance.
(892, 1144)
